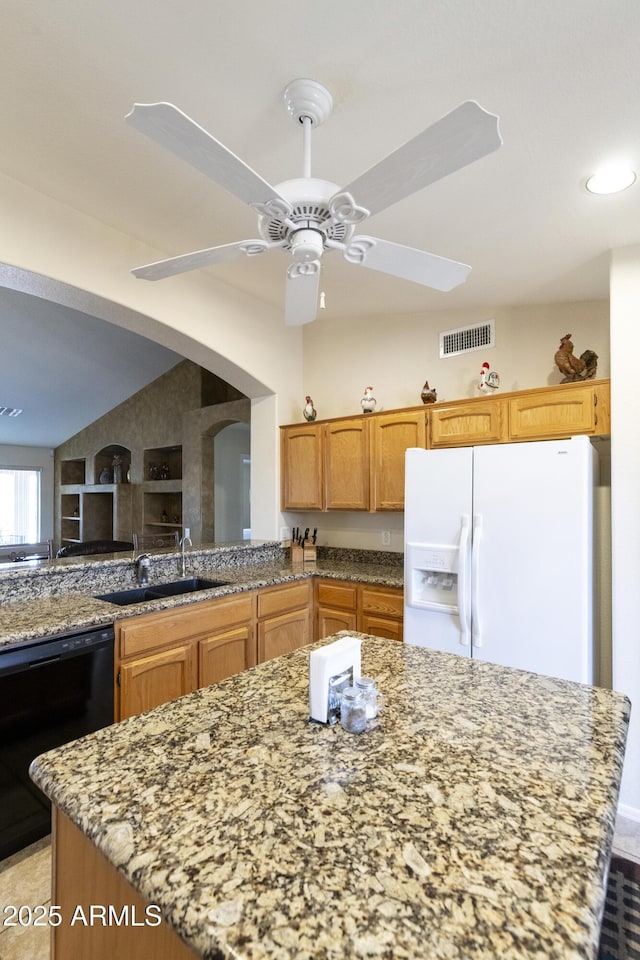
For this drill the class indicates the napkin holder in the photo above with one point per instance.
(331, 668)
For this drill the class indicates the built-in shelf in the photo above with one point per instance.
(112, 464)
(73, 471)
(163, 463)
(162, 489)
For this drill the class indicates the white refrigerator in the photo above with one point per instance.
(499, 554)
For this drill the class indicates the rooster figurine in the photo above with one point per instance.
(428, 394)
(575, 368)
(309, 412)
(368, 402)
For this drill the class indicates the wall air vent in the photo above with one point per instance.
(10, 411)
(467, 339)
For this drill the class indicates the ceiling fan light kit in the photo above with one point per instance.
(309, 217)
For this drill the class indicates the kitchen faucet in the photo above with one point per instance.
(183, 544)
(143, 565)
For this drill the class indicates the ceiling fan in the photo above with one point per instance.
(308, 217)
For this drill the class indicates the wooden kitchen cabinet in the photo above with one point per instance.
(325, 464)
(164, 655)
(367, 608)
(302, 467)
(284, 619)
(346, 461)
(146, 682)
(336, 607)
(570, 409)
(391, 435)
(381, 611)
(464, 423)
(229, 648)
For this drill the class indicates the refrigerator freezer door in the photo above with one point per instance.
(437, 543)
(533, 503)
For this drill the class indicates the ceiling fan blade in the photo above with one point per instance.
(174, 130)
(416, 265)
(301, 302)
(200, 258)
(457, 139)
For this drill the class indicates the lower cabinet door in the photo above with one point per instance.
(381, 626)
(223, 655)
(278, 635)
(331, 621)
(147, 682)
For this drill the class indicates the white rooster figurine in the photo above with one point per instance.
(309, 411)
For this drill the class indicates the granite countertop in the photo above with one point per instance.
(474, 818)
(71, 604)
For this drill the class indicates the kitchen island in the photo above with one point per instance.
(473, 818)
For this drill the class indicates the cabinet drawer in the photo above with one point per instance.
(387, 602)
(343, 595)
(280, 599)
(150, 631)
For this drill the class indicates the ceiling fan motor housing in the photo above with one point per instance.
(310, 214)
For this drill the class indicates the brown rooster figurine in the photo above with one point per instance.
(575, 368)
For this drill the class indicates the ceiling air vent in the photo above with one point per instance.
(467, 339)
(10, 411)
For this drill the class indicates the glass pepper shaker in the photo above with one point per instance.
(353, 710)
(373, 699)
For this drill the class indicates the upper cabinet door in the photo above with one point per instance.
(347, 464)
(467, 423)
(391, 436)
(546, 414)
(301, 467)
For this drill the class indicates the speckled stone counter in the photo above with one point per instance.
(474, 818)
(66, 599)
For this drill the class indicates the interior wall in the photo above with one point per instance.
(35, 458)
(625, 506)
(396, 355)
(44, 243)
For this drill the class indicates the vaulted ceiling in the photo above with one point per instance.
(562, 77)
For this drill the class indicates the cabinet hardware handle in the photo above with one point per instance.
(595, 399)
(118, 678)
(596, 419)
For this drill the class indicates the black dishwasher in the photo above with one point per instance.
(51, 691)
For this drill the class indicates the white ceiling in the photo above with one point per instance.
(563, 77)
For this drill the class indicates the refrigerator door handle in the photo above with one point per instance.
(464, 612)
(475, 584)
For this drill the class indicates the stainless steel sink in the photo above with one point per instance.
(159, 591)
(190, 585)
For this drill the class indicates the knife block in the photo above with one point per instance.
(306, 554)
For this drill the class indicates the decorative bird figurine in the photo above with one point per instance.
(368, 402)
(488, 380)
(575, 368)
(309, 412)
(428, 394)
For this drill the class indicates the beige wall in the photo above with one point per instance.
(625, 505)
(396, 354)
(50, 250)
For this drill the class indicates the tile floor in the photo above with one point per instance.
(25, 878)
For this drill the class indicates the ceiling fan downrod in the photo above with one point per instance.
(308, 103)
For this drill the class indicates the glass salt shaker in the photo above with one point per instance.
(353, 710)
(373, 699)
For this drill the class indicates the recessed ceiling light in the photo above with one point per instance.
(611, 179)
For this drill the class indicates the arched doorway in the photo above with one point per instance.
(231, 480)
